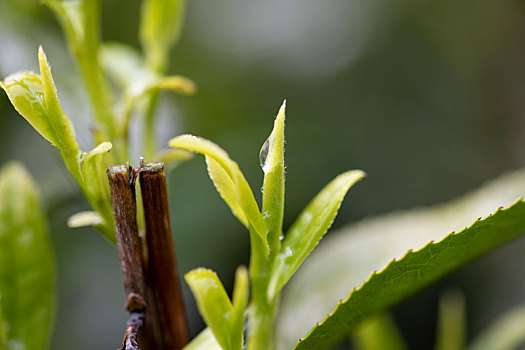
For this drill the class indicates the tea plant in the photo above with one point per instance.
(275, 254)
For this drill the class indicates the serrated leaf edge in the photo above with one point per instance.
(394, 261)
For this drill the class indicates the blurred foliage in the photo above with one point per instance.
(427, 97)
(27, 264)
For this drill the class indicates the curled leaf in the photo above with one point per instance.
(92, 167)
(35, 98)
(229, 181)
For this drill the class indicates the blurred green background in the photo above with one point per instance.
(426, 96)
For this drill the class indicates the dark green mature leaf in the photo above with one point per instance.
(370, 244)
(413, 272)
(27, 269)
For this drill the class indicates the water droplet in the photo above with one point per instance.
(263, 154)
(288, 252)
(281, 237)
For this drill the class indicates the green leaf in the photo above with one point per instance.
(378, 332)
(226, 188)
(370, 244)
(35, 98)
(137, 93)
(239, 301)
(94, 182)
(452, 321)
(272, 162)
(137, 81)
(203, 341)
(507, 332)
(3, 332)
(213, 303)
(308, 229)
(229, 182)
(414, 271)
(125, 66)
(160, 28)
(27, 266)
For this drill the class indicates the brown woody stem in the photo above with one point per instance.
(162, 275)
(131, 259)
(135, 327)
(129, 244)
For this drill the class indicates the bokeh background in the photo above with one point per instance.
(428, 97)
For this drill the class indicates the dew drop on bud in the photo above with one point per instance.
(263, 155)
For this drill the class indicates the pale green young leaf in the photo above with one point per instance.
(507, 332)
(35, 98)
(140, 90)
(175, 83)
(85, 218)
(272, 163)
(452, 321)
(226, 188)
(136, 80)
(213, 303)
(239, 301)
(80, 22)
(92, 166)
(308, 229)
(378, 332)
(414, 271)
(125, 66)
(58, 120)
(26, 93)
(203, 341)
(27, 266)
(231, 184)
(160, 28)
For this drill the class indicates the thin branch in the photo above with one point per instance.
(129, 244)
(162, 274)
(135, 327)
(138, 335)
